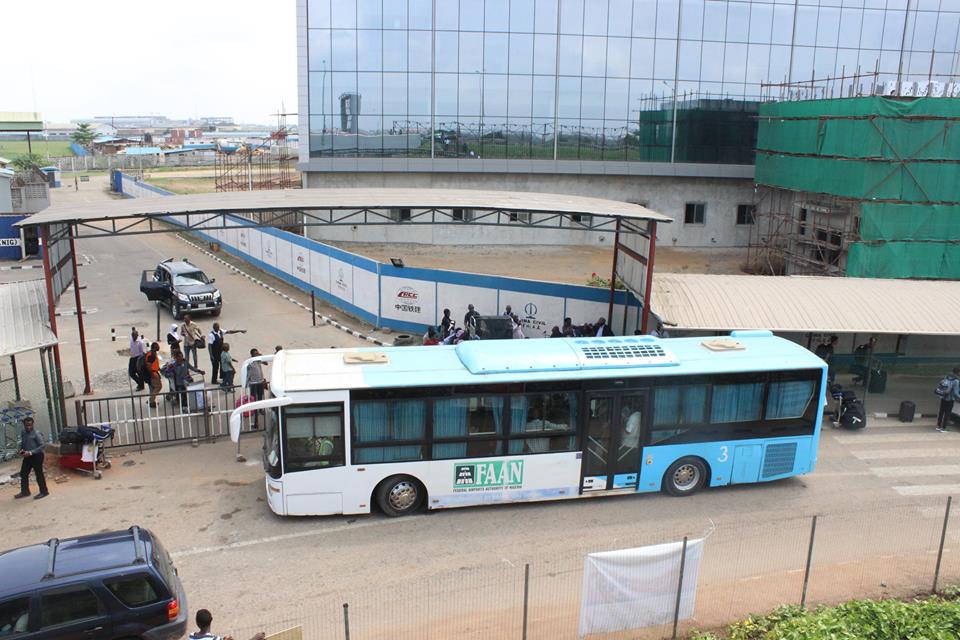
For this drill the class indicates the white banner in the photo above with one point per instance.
(456, 297)
(283, 256)
(300, 262)
(636, 588)
(268, 245)
(537, 313)
(365, 290)
(320, 270)
(408, 300)
(341, 280)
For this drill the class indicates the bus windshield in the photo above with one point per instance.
(271, 443)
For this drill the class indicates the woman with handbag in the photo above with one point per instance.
(193, 338)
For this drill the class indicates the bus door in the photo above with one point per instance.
(612, 441)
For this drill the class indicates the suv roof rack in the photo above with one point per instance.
(140, 558)
(51, 557)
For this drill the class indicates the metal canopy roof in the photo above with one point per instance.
(23, 318)
(807, 304)
(361, 202)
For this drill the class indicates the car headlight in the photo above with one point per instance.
(216, 294)
(183, 298)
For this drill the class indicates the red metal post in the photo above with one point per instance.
(83, 338)
(52, 310)
(613, 274)
(649, 284)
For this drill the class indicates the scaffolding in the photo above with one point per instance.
(253, 167)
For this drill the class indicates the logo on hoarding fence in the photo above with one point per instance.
(408, 300)
(530, 321)
(530, 309)
(341, 280)
(302, 263)
(483, 476)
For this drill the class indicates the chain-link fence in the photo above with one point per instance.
(746, 567)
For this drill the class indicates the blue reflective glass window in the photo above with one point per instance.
(779, 63)
(592, 100)
(318, 13)
(448, 15)
(395, 94)
(620, 19)
(369, 50)
(569, 98)
(448, 51)
(571, 16)
(947, 28)
(342, 82)
(641, 58)
(394, 50)
(758, 61)
(394, 14)
(545, 20)
(871, 34)
(824, 59)
(689, 68)
(782, 31)
(594, 55)
(616, 103)
(520, 97)
(344, 56)
(344, 15)
(497, 16)
(471, 15)
(419, 92)
(738, 22)
(850, 20)
(846, 63)
(544, 54)
(806, 31)
(521, 16)
(595, 18)
(471, 52)
(711, 62)
(495, 95)
(369, 14)
(828, 27)
(923, 32)
(319, 91)
(691, 19)
(802, 63)
(761, 22)
(715, 21)
(618, 57)
(571, 55)
(544, 88)
(644, 18)
(667, 12)
(447, 93)
(421, 14)
(419, 45)
(369, 86)
(318, 43)
(521, 53)
(664, 60)
(735, 62)
(495, 51)
(371, 125)
(470, 95)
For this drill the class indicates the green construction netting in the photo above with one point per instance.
(888, 221)
(940, 260)
(862, 179)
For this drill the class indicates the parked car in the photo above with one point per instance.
(106, 586)
(183, 287)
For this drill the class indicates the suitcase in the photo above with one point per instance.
(878, 381)
(907, 411)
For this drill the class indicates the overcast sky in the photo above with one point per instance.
(179, 58)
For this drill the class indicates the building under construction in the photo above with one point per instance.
(862, 186)
(268, 164)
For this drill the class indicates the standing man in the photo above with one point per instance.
(215, 347)
(508, 311)
(226, 367)
(470, 321)
(948, 390)
(152, 360)
(602, 330)
(446, 324)
(255, 382)
(181, 377)
(31, 448)
(192, 336)
(137, 349)
(205, 621)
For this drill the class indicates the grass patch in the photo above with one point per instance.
(47, 148)
(185, 185)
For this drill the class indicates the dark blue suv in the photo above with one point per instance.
(107, 586)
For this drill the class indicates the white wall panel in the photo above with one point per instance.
(366, 294)
(408, 300)
(320, 270)
(283, 256)
(341, 280)
(456, 297)
(537, 313)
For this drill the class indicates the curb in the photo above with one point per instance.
(326, 319)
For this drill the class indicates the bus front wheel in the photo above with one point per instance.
(685, 477)
(400, 496)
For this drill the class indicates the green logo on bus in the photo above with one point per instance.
(500, 473)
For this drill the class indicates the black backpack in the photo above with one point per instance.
(142, 367)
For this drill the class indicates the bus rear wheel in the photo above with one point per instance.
(685, 477)
(400, 496)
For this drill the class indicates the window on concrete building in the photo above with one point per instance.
(581, 218)
(803, 222)
(694, 213)
(461, 215)
(745, 213)
(520, 216)
(401, 215)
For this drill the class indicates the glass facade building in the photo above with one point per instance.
(615, 80)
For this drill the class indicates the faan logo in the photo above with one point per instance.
(481, 476)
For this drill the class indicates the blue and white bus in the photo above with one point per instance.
(522, 420)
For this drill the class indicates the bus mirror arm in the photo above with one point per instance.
(236, 417)
(246, 363)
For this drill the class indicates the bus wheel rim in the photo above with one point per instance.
(686, 476)
(403, 495)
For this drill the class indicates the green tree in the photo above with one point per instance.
(27, 161)
(84, 135)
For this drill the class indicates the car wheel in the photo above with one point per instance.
(685, 477)
(400, 496)
(177, 312)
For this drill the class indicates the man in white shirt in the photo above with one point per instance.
(137, 350)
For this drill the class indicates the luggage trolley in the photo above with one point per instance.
(82, 449)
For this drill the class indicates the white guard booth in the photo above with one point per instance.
(636, 588)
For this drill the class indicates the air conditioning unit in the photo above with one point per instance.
(936, 89)
(890, 88)
(908, 89)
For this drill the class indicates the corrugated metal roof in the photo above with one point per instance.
(287, 199)
(24, 325)
(142, 151)
(807, 304)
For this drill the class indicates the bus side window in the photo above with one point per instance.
(313, 437)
